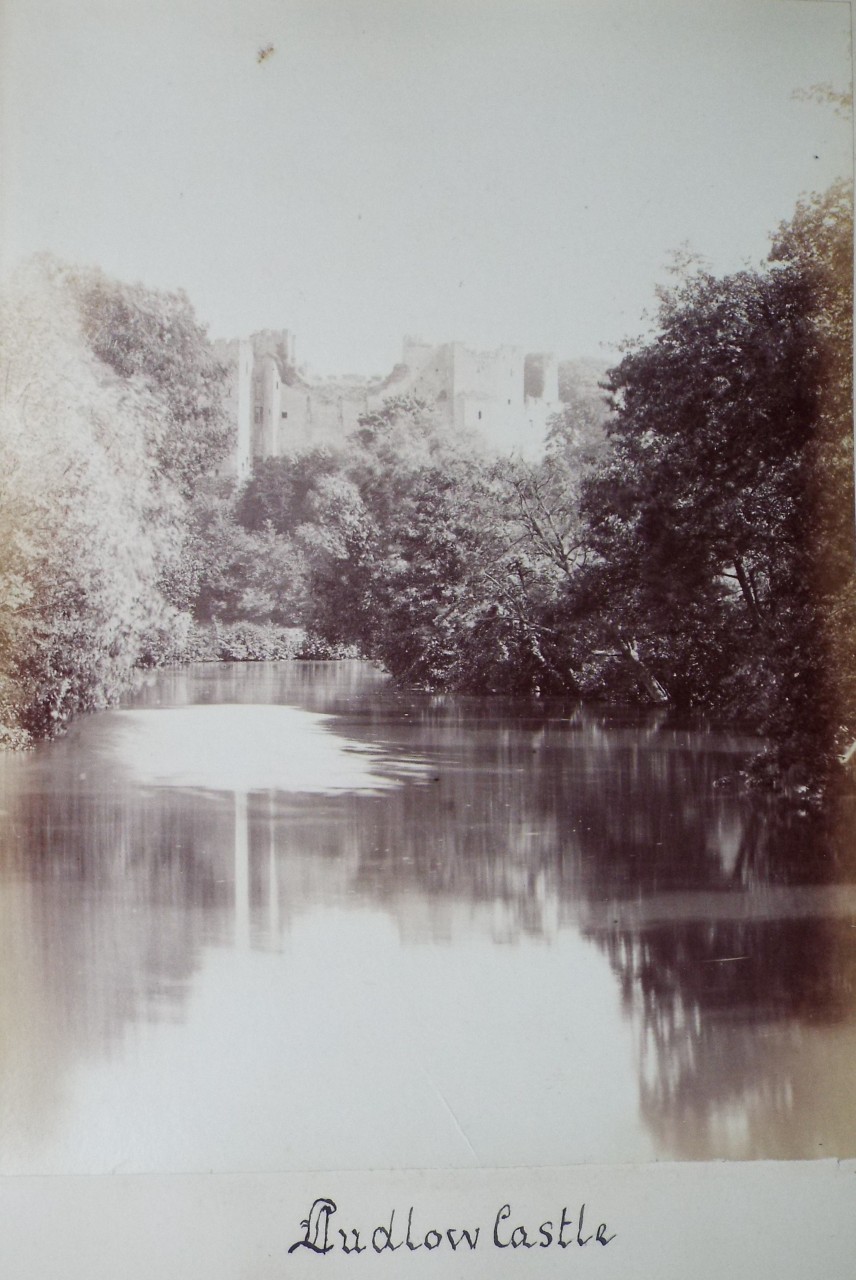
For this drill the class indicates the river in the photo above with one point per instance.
(287, 917)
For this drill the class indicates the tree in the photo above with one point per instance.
(238, 574)
(280, 490)
(719, 525)
(818, 245)
(112, 415)
(153, 339)
(88, 525)
(418, 555)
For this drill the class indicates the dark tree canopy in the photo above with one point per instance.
(721, 522)
(280, 490)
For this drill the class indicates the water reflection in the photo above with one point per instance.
(576, 913)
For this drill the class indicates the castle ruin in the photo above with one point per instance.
(505, 396)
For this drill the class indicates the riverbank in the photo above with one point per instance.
(242, 642)
(195, 642)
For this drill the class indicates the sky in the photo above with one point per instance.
(489, 171)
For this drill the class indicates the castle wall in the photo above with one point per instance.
(267, 385)
(237, 356)
(244, 411)
(295, 416)
(504, 395)
(313, 416)
(278, 343)
(541, 377)
(488, 392)
(430, 373)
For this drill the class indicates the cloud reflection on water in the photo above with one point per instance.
(245, 748)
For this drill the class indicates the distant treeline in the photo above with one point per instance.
(688, 537)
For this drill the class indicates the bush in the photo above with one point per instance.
(253, 641)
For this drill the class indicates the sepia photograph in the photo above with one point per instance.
(427, 631)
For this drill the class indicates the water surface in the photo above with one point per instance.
(283, 916)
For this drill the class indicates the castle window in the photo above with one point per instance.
(509, 402)
(284, 413)
(258, 415)
(479, 415)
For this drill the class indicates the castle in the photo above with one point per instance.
(505, 396)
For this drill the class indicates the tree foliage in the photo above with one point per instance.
(153, 339)
(691, 543)
(99, 444)
(241, 575)
(720, 525)
(419, 553)
(688, 536)
(280, 490)
(89, 525)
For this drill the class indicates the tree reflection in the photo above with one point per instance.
(720, 1011)
(525, 819)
